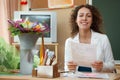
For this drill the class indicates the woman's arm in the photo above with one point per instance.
(105, 62)
(108, 64)
(69, 64)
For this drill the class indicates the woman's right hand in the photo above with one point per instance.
(71, 66)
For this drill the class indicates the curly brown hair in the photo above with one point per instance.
(96, 23)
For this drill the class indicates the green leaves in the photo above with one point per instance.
(9, 56)
(14, 31)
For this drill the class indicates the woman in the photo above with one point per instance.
(86, 23)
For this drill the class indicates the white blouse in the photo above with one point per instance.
(104, 51)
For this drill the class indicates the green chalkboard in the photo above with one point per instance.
(110, 11)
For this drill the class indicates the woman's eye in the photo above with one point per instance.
(80, 15)
(89, 16)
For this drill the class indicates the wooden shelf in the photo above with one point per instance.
(46, 44)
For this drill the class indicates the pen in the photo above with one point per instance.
(67, 71)
(46, 56)
(52, 59)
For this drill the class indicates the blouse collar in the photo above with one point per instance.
(76, 38)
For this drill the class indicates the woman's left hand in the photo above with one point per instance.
(98, 65)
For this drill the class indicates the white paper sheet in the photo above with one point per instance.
(83, 54)
(86, 75)
(91, 75)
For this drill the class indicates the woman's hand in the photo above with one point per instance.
(71, 65)
(98, 65)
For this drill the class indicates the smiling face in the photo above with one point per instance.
(84, 19)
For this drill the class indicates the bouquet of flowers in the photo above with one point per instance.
(26, 26)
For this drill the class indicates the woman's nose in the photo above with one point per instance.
(84, 18)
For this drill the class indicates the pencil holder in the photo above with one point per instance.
(48, 71)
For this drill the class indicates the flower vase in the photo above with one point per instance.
(27, 43)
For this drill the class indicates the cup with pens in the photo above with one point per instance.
(48, 66)
(49, 58)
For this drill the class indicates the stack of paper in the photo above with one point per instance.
(87, 75)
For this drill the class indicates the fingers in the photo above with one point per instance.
(71, 65)
(98, 65)
(98, 62)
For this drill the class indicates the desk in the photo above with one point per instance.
(111, 75)
(117, 66)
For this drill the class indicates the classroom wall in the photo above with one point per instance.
(63, 26)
